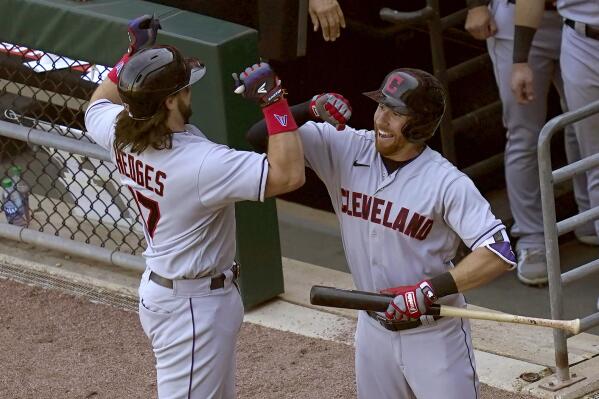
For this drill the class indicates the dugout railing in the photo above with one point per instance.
(52, 54)
(553, 229)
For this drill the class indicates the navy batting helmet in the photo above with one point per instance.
(415, 93)
(152, 75)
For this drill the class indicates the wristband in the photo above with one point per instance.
(443, 285)
(278, 118)
(523, 36)
(113, 75)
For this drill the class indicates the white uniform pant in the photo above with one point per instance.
(193, 334)
(524, 122)
(579, 62)
(428, 362)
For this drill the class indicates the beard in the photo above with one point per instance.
(388, 147)
(184, 109)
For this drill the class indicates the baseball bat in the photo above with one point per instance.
(239, 87)
(362, 300)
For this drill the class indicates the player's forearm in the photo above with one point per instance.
(478, 268)
(106, 90)
(476, 3)
(529, 14)
(257, 135)
(286, 164)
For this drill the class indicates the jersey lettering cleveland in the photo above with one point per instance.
(401, 228)
(380, 211)
(185, 195)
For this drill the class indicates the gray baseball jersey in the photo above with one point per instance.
(186, 197)
(585, 11)
(579, 59)
(399, 229)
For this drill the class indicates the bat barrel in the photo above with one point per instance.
(349, 299)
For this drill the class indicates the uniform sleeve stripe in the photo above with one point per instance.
(484, 234)
(96, 103)
(262, 186)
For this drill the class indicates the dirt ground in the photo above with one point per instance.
(54, 345)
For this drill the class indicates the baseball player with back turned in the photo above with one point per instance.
(403, 209)
(185, 187)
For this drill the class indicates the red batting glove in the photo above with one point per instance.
(410, 301)
(332, 108)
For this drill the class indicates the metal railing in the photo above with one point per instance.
(553, 229)
(437, 26)
(77, 204)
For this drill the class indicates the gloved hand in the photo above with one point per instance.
(260, 84)
(142, 32)
(332, 108)
(410, 301)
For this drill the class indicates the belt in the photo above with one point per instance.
(583, 29)
(216, 282)
(397, 325)
(548, 5)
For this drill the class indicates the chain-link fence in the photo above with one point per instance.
(72, 196)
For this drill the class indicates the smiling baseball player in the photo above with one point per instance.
(403, 209)
(185, 187)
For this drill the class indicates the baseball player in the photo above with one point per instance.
(579, 57)
(185, 187)
(403, 209)
(495, 23)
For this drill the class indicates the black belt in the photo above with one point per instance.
(587, 30)
(216, 282)
(548, 5)
(397, 325)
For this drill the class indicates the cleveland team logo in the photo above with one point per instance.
(393, 84)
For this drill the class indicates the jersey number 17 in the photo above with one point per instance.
(151, 221)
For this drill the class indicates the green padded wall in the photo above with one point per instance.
(95, 31)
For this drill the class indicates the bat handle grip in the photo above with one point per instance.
(434, 310)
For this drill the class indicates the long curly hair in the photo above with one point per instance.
(138, 135)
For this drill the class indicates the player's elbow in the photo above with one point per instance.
(281, 183)
(298, 179)
(495, 265)
(294, 179)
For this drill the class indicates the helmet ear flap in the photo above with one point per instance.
(151, 75)
(428, 104)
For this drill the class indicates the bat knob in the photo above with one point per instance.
(239, 87)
